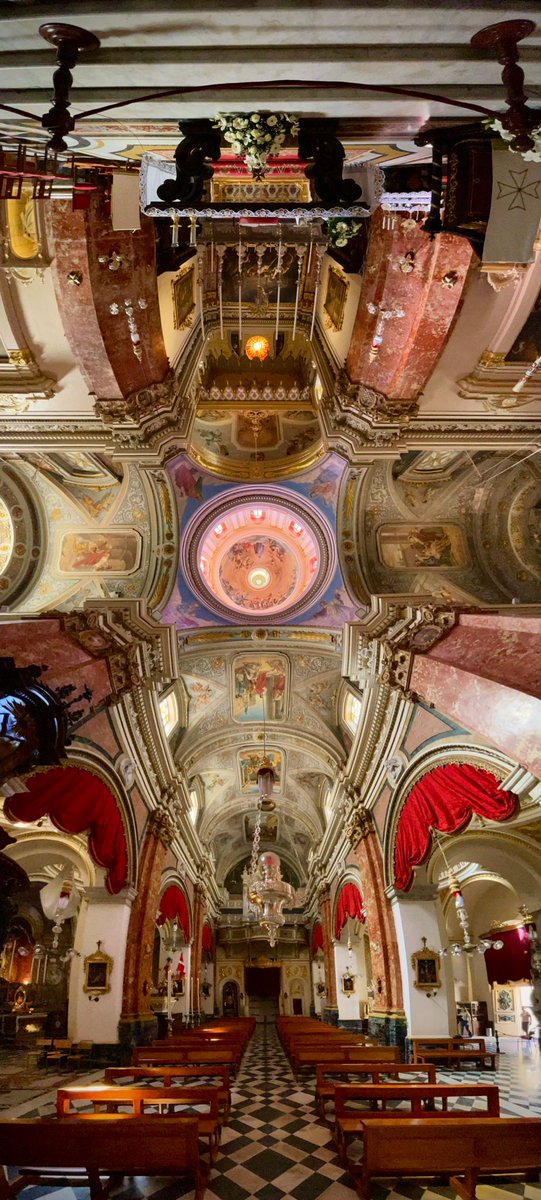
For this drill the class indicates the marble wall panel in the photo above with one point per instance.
(501, 648)
(425, 725)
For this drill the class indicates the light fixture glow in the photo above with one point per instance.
(257, 347)
(259, 577)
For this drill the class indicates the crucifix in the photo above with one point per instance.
(383, 315)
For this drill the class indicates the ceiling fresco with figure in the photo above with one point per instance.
(273, 557)
(241, 703)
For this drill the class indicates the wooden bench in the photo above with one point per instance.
(164, 1077)
(431, 1146)
(141, 1099)
(329, 1075)
(305, 1059)
(45, 1149)
(453, 1050)
(419, 1099)
(151, 1056)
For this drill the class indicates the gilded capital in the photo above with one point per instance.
(360, 825)
(160, 823)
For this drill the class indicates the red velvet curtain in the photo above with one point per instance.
(76, 800)
(317, 939)
(174, 907)
(350, 904)
(445, 799)
(207, 940)
(514, 962)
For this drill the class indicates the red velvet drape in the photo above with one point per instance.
(76, 800)
(350, 904)
(174, 907)
(317, 939)
(445, 799)
(512, 963)
(207, 940)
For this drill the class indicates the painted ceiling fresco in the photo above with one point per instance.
(269, 571)
(427, 525)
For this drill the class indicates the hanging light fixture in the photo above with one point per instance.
(257, 347)
(267, 891)
(467, 945)
(60, 900)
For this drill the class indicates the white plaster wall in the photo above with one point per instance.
(175, 339)
(106, 918)
(349, 1004)
(338, 341)
(40, 320)
(426, 1015)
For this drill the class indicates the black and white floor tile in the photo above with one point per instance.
(275, 1147)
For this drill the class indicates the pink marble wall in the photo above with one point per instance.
(425, 725)
(98, 730)
(140, 811)
(503, 716)
(379, 813)
(498, 647)
(413, 343)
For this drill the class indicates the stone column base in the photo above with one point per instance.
(330, 1016)
(390, 1028)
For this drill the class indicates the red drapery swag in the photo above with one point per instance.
(445, 799)
(207, 940)
(174, 907)
(514, 961)
(317, 939)
(350, 904)
(76, 800)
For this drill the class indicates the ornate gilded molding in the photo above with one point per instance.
(396, 667)
(162, 826)
(360, 826)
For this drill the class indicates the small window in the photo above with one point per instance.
(169, 712)
(352, 711)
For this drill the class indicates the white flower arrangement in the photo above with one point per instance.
(533, 155)
(256, 136)
(341, 231)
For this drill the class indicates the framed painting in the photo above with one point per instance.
(348, 983)
(335, 299)
(427, 547)
(426, 965)
(249, 764)
(100, 552)
(182, 288)
(97, 972)
(260, 687)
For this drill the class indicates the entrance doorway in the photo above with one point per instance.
(262, 986)
(230, 999)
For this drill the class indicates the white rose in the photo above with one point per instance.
(272, 120)
(255, 118)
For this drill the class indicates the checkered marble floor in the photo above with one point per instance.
(275, 1148)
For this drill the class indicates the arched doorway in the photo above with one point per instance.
(230, 999)
(262, 987)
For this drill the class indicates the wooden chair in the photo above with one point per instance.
(81, 1052)
(60, 1051)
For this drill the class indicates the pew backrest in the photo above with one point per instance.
(347, 1098)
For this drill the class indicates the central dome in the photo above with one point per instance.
(258, 554)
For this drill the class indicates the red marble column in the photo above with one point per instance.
(137, 1022)
(325, 914)
(379, 924)
(199, 910)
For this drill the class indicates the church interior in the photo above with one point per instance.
(270, 599)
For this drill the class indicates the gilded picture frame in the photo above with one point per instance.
(335, 299)
(97, 973)
(348, 983)
(183, 297)
(426, 964)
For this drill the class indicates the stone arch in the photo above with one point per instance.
(453, 751)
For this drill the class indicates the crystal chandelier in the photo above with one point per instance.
(267, 891)
(467, 945)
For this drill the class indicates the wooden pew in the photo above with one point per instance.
(421, 1099)
(151, 1056)
(306, 1059)
(164, 1076)
(42, 1148)
(327, 1073)
(140, 1100)
(431, 1146)
(453, 1050)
